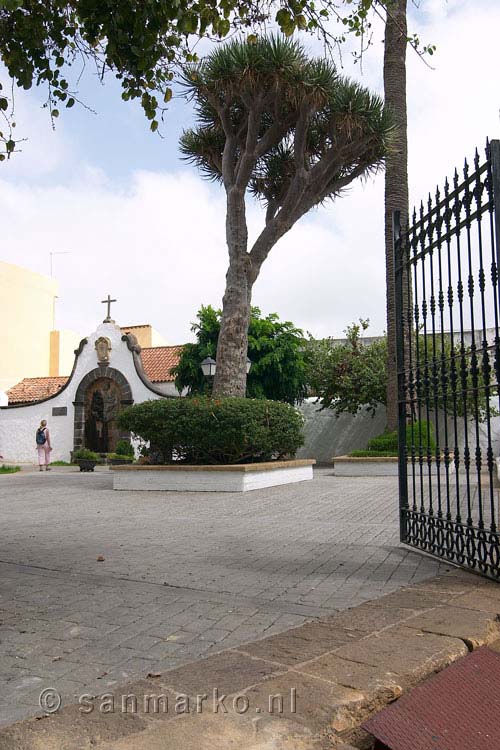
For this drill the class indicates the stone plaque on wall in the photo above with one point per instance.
(59, 411)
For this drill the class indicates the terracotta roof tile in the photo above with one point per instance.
(35, 389)
(159, 360)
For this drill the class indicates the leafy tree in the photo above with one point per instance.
(144, 41)
(287, 130)
(276, 349)
(349, 375)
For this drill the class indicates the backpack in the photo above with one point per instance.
(41, 438)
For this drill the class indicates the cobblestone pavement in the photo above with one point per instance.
(183, 575)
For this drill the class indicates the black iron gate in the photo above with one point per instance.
(447, 264)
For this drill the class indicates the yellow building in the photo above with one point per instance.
(28, 344)
(146, 336)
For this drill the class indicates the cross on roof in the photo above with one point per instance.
(108, 302)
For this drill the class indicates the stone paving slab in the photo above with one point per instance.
(183, 576)
(406, 651)
(254, 703)
(473, 627)
(378, 681)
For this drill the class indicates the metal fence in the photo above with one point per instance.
(448, 359)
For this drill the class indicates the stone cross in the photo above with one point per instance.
(108, 303)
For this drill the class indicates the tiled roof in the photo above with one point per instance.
(157, 362)
(35, 389)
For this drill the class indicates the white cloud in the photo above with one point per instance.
(158, 243)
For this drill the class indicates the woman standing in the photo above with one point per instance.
(43, 445)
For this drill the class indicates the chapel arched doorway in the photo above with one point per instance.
(102, 406)
(101, 396)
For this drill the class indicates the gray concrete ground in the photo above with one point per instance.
(183, 575)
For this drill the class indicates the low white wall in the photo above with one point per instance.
(327, 435)
(177, 480)
(18, 424)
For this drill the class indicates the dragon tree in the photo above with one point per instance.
(287, 129)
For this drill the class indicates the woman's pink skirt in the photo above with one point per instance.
(43, 455)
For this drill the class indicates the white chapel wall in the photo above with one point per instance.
(18, 424)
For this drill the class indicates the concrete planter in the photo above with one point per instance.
(234, 478)
(385, 466)
(86, 464)
(377, 466)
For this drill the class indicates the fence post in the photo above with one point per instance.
(495, 173)
(400, 365)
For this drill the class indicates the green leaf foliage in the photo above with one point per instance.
(124, 448)
(316, 131)
(145, 42)
(141, 41)
(349, 375)
(352, 374)
(419, 434)
(84, 454)
(200, 430)
(9, 469)
(275, 348)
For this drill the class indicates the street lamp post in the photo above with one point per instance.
(209, 366)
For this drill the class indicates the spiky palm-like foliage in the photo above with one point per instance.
(287, 129)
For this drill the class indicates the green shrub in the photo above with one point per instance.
(9, 469)
(60, 463)
(423, 435)
(124, 448)
(387, 443)
(84, 454)
(201, 430)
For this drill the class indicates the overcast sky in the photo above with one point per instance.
(140, 224)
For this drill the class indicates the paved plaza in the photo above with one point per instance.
(183, 575)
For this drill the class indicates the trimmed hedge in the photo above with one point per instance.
(423, 437)
(124, 448)
(202, 430)
(387, 443)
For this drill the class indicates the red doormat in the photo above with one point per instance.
(458, 709)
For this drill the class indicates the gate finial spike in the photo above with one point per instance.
(446, 187)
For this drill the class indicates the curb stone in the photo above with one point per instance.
(343, 668)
